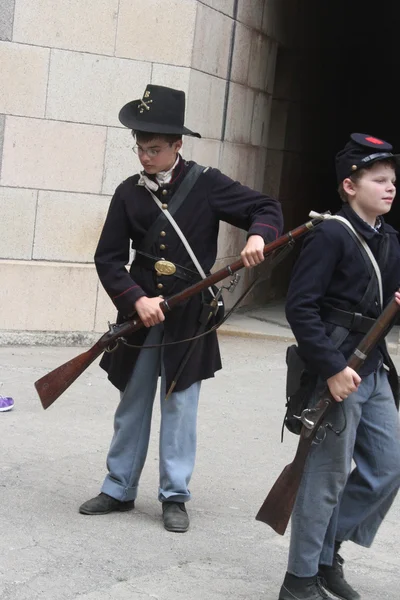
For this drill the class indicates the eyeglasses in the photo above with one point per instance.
(151, 152)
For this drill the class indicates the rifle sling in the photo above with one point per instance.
(275, 260)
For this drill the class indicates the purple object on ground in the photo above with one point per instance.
(6, 403)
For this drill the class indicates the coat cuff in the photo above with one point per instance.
(268, 232)
(333, 367)
(125, 302)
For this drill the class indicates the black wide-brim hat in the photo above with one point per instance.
(361, 151)
(161, 110)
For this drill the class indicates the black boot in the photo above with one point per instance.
(332, 578)
(301, 588)
(103, 504)
(175, 516)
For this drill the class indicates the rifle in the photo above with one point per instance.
(278, 505)
(52, 385)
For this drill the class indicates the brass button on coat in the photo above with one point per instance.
(162, 246)
(164, 192)
(160, 286)
(162, 233)
(164, 205)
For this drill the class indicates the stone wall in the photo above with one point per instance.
(67, 67)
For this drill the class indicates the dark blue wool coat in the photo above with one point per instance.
(132, 211)
(331, 272)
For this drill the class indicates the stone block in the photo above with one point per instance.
(86, 25)
(205, 104)
(6, 19)
(224, 6)
(261, 120)
(281, 19)
(45, 296)
(92, 89)
(272, 54)
(105, 310)
(204, 152)
(212, 41)
(268, 17)
(251, 13)
(239, 162)
(241, 54)
(24, 71)
(171, 76)
(120, 162)
(273, 172)
(17, 209)
(278, 124)
(239, 114)
(148, 30)
(231, 241)
(272, 14)
(262, 62)
(260, 170)
(286, 64)
(2, 124)
(68, 226)
(53, 155)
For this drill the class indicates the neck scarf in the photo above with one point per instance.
(162, 178)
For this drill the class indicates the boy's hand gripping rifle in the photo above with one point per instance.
(278, 505)
(52, 385)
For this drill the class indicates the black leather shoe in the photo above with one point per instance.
(103, 504)
(301, 588)
(332, 578)
(175, 516)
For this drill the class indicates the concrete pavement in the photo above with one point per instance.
(53, 460)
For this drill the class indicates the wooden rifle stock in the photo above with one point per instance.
(52, 385)
(278, 505)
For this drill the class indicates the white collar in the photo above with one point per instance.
(162, 178)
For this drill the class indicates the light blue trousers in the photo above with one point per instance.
(132, 425)
(335, 502)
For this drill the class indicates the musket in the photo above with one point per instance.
(51, 386)
(278, 505)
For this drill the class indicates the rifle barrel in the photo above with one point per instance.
(51, 386)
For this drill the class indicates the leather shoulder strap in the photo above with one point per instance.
(175, 202)
(366, 252)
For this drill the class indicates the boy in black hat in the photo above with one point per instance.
(170, 213)
(333, 298)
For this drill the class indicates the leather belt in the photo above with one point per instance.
(349, 320)
(165, 267)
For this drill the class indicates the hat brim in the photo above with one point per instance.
(127, 116)
(390, 156)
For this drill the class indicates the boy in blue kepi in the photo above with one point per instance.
(334, 296)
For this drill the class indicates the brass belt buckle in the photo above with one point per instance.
(164, 267)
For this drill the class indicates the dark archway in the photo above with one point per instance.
(358, 64)
(345, 72)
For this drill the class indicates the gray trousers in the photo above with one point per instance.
(132, 423)
(335, 502)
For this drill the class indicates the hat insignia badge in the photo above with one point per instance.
(144, 105)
